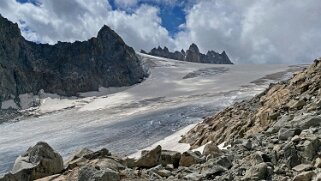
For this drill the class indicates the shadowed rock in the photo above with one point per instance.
(150, 158)
(64, 68)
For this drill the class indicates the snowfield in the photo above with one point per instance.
(124, 120)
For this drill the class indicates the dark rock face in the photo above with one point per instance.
(64, 68)
(191, 55)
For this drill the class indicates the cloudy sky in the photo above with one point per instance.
(251, 31)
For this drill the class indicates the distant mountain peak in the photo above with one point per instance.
(193, 47)
(191, 55)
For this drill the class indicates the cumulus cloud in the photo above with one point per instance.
(132, 3)
(261, 31)
(126, 3)
(61, 20)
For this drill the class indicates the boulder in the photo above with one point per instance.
(223, 161)
(81, 153)
(287, 133)
(253, 159)
(305, 176)
(306, 121)
(77, 159)
(37, 162)
(83, 156)
(302, 167)
(102, 153)
(108, 163)
(189, 158)
(247, 144)
(311, 149)
(193, 177)
(212, 149)
(150, 158)
(170, 157)
(163, 173)
(213, 172)
(90, 173)
(129, 162)
(291, 155)
(257, 172)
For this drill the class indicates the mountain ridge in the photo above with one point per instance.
(193, 54)
(64, 68)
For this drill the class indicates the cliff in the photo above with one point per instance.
(64, 68)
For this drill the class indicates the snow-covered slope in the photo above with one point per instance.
(175, 95)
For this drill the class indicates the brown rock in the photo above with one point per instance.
(150, 158)
(212, 149)
(189, 158)
(305, 176)
(257, 172)
(37, 162)
(302, 167)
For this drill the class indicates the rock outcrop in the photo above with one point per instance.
(284, 108)
(191, 55)
(37, 162)
(150, 158)
(275, 135)
(64, 68)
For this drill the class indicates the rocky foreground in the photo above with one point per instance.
(274, 136)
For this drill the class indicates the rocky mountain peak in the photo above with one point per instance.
(65, 68)
(183, 52)
(8, 29)
(194, 48)
(107, 34)
(193, 54)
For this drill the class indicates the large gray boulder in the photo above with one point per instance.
(90, 173)
(311, 149)
(37, 162)
(189, 158)
(150, 158)
(304, 176)
(257, 172)
(212, 149)
(213, 172)
(287, 133)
